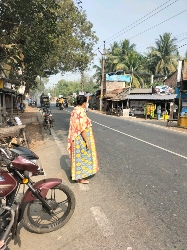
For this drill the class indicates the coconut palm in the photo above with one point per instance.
(119, 54)
(163, 57)
(98, 74)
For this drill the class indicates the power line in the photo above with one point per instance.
(182, 45)
(141, 21)
(182, 34)
(158, 24)
(138, 20)
(175, 36)
(181, 40)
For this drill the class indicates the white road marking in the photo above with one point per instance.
(102, 221)
(151, 144)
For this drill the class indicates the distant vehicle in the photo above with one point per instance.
(57, 103)
(65, 102)
(44, 101)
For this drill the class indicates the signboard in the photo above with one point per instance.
(118, 78)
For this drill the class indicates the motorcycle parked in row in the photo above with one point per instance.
(46, 206)
(47, 119)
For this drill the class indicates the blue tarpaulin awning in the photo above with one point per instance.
(118, 78)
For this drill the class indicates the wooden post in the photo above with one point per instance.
(1, 118)
(4, 105)
(11, 104)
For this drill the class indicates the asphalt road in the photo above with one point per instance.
(137, 200)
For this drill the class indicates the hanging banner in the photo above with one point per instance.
(118, 78)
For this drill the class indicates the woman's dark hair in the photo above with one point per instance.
(81, 99)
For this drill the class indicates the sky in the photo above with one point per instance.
(113, 20)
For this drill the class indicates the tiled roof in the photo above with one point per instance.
(113, 93)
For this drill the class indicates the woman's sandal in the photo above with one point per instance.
(83, 181)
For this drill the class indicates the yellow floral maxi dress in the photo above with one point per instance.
(83, 162)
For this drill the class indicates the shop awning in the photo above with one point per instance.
(151, 97)
(7, 90)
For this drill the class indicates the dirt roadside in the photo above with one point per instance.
(33, 129)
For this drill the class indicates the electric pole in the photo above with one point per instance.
(103, 74)
(82, 80)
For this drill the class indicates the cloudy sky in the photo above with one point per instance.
(116, 20)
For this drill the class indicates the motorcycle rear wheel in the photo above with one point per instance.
(37, 220)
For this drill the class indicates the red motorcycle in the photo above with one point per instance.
(46, 205)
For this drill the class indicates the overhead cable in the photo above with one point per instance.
(158, 24)
(182, 45)
(138, 23)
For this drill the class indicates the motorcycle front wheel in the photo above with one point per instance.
(62, 201)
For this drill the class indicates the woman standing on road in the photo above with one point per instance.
(81, 144)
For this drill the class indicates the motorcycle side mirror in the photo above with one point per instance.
(5, 153)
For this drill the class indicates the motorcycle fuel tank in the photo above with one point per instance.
(7, 183)
(22, 163)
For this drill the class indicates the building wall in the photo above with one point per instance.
(113, 85)
(171, 81)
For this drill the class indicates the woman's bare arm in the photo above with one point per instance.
(86, 139)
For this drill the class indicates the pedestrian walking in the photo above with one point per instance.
(87, 100)
(81, 144)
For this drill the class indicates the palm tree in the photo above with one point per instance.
(163, 57)
(119, 53)
(98, 74)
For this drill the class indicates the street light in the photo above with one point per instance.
(104, 54)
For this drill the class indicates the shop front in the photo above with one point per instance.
(151, 106)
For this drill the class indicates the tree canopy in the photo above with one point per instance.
(160, 59)
(43, 37)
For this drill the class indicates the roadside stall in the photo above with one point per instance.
(7, 98)
(182, 121)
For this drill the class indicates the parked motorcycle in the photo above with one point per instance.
(46, 206)
(47, 120)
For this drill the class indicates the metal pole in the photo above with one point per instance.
(179, 108)
(82, 84)
(103, 77)
(102, 82)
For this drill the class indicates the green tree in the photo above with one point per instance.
(162, 59)
(185, 56)
(98, 71)
(44, 37)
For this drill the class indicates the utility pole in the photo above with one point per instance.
(82, 80)
(103, 74)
